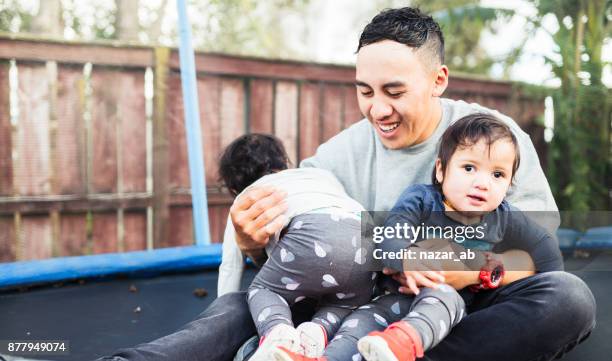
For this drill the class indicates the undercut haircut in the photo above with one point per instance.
(408, 26)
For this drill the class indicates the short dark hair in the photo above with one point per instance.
(250, 157)
(468, 131)
(408, 26)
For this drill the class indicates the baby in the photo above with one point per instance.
(318, 254)
(477, 160)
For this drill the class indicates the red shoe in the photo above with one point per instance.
(399, 342)
(282, 354)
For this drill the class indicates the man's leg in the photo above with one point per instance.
(534, 319)
(214, 336)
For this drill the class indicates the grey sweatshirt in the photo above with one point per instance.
(375, 176)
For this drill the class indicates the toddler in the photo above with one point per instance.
(477, 160)
(318, 254)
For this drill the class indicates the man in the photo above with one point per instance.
(400, 77)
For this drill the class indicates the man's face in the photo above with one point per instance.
(398, 93)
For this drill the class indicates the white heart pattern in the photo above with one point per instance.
(329, 281)
(396, 308)
(343, 296)
(360, 256)
(352, 323)
(443, 329)
(331, 318)
(264, 314)
(380, 320)
(319, 250)
(430, 300)
(298, 225)
(286, 256)
(335, 217)
(289, 283)
(356, 357)
(253, 292)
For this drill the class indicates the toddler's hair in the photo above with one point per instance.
(468, 131)
(249, 158)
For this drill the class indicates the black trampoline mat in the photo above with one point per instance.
(99, 317)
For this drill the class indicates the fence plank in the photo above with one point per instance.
(32, 170)
(310, 119)
(104, 233)
(104, 118)
(232, 110)
(286, 117)
(70, 141)
(135, 231)
(181, 228)
(36, 235)
(178, 165)
(352, 114)
(133, 125)
(261, 103)
(73, 235)
(8, 243)
(6, 161)
(210, 123)
(161, 156)
(214, 214)
(333, 99)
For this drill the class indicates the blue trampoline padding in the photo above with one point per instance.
(141, 262)
(567, 238)
(596, 238)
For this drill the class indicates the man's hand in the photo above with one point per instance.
(412, 280)
(256, 215)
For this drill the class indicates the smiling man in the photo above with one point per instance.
(400, 78)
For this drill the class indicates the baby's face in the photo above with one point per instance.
(477, 177)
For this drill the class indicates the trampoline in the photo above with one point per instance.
(102, 303)
(100, 316)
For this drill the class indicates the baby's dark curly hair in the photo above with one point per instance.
(249, 158)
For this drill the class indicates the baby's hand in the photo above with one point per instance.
(412, 280)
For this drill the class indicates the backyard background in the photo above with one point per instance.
(93, 152)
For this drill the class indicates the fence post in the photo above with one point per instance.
(160, 147)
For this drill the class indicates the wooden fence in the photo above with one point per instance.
(93, 152)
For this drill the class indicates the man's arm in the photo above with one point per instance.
(256, 215)
(518, 264)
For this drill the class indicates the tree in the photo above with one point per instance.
(49, 20)
(580, 155)
(126, 20)
(463, 22)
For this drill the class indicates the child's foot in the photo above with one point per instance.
(280, 335)
(399, 342)
(313, 339)
(283, 354)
